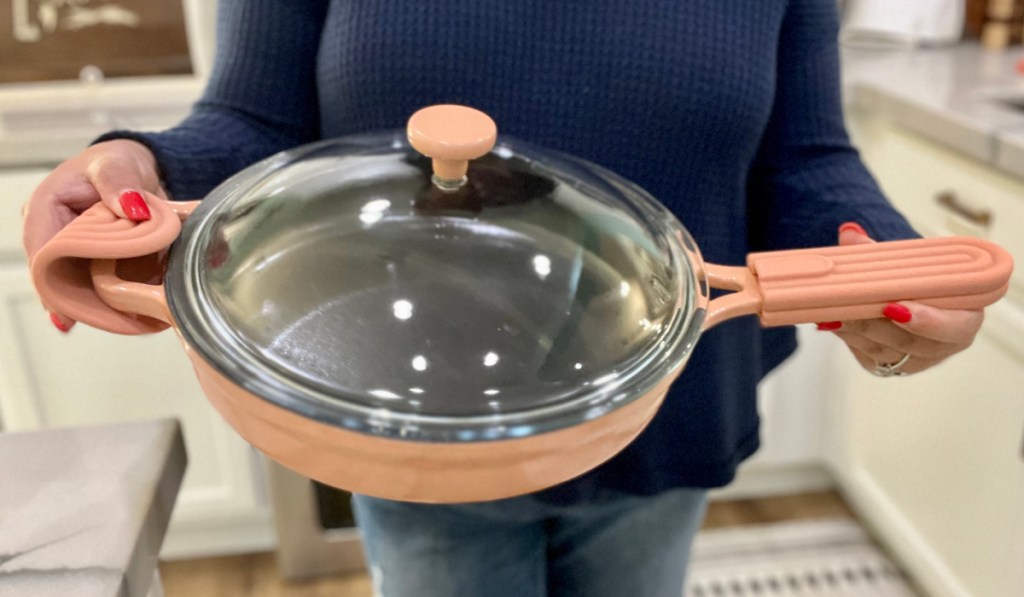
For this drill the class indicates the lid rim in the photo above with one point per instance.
(427, 428)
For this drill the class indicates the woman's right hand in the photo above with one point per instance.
(121, 173)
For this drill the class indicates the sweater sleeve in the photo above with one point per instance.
(261, 97)
(807, 178)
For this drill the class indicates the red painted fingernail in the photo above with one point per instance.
(61, 323)
(897, 313)
(852, 226)
(134, 206)
(830, 326)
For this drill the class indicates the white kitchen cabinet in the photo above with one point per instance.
(792, 401)
(934, 461)
(16, 187)
(49, 379)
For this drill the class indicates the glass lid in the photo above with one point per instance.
(363, 284)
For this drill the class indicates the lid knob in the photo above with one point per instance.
(451, 135)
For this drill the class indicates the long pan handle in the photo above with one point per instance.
(844, 283)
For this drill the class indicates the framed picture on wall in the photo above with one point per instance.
(52, 40)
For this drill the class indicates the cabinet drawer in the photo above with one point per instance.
(945, 193)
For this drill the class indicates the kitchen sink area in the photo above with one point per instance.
(1006, 97)
(962, 97)
(1015, 102)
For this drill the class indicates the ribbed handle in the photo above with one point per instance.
(857, 281)
(64, 270)
(846, 283)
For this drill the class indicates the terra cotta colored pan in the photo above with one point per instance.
(481, 323)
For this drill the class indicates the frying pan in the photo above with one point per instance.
(480, 323)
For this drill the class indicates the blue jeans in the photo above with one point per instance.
(615, 546)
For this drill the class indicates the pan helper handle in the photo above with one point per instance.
(61, 270)
(134, 299)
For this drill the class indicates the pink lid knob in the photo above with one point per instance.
(451, 135)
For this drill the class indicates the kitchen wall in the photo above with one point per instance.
(44, 122)
(46, 40)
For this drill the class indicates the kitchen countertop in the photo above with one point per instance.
(83, 511)
(944, 93)
(947, 94)
(43, 124)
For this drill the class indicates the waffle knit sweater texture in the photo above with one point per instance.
(726, 111)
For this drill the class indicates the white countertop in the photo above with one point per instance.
(948, 94)
(83, 511)
(43, 124)
(945, 93)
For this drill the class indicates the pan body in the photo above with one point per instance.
(425, 472)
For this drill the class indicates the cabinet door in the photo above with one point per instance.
(939, 455)
(49, 379)
(934, 461)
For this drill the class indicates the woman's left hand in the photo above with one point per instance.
(912, 336)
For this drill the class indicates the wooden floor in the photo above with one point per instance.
(256, 575)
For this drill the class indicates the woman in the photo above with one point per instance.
(727, 112)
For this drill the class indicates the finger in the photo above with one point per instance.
(851, 233)
(878, 353)
(864, 360)
(888, 334)
(952, 326)
(61, 322)
(120, 184)
(42, 221)
(45, 214)
(913, 365)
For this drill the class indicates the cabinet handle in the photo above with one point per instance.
(950, 202)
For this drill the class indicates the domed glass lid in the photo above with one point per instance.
(351, 282)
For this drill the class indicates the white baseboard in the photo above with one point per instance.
(759, 481)
(220, 536)
(883, 518)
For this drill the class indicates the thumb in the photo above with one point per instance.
(120, 183)
(851, 233)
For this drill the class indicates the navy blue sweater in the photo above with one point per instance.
(726, 111)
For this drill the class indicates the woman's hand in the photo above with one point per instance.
(916, 335)
(121, 173)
